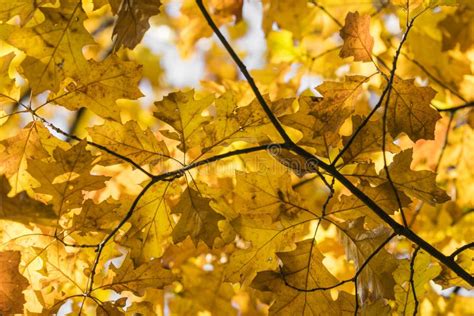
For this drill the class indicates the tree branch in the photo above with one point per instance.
(246, 74)
(398, 229)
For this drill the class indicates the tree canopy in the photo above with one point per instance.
(320, 164)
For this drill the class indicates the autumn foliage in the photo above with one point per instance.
(333, 178)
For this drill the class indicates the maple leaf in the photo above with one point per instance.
(357, 39)
(197, 220)
(12, 283)
(409, 111)
(303, 269)
(132, 22)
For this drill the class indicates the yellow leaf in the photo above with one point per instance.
(54, 46)
(137, 279)
(265, 238)
(182, 111)
(23, 208)
(203, 291)
(67, 177)
(367, 142)
(32, 142)
(303, 269)
(420, 184)
(24, 8)
(98, 85)
(319, 119)
(376, 280)
(152, 223)
(350, 207)
(129, 140)
(197, 220)
(422, 271)
(458, 28)
(409, 111)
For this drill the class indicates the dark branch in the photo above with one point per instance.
(459, 107)
(398, 229)
(461, 249)
(246, 74)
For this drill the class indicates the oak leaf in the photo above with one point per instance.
(182, 111)
(137, 279)
(152, 223)
(357, 39)
(132, 22)
(53, 47)
(22, 208)
(350, 207)
(319, 119)
(376, 280)
(303, 269)
(98, 85)
(197, 220)
(258, 193)
(367, 142)
(67, 177)
(458, 28)
(203, 291)
(33, 142)
(409, 111)
(25, 9)
(420, 184)
(423, 271)
(129, 140)
(12, 283)
(266, 238)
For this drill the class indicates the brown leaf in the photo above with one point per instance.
(376, 280)
(409, 111)
(12, 283)
(356, 36)
(198, 219)
(303, 268)
(132, 22)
